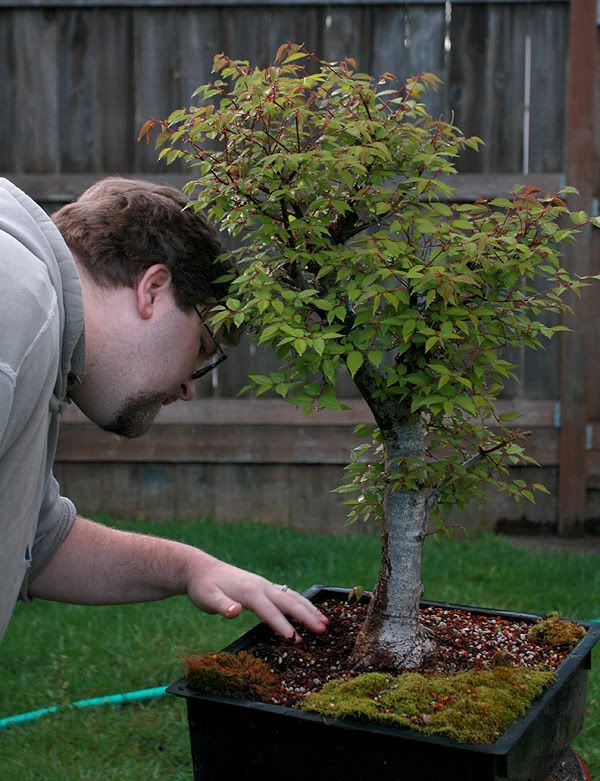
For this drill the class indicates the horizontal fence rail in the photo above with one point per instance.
(259, 459)
(58, 189)
(242, 3)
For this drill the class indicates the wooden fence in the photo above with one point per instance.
(79, 77)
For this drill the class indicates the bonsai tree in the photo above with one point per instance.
(351, 256)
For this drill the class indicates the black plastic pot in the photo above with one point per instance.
(238, 738)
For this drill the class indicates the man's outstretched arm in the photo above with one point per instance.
(98, 565)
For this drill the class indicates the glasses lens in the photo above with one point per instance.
(206, 369)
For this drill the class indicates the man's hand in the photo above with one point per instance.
(227, 590)
(97, 565)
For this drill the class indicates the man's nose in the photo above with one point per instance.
(186, 390)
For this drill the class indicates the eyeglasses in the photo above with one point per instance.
(206, 369)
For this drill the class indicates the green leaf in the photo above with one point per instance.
(506, 417)
(295, 56)
(375, 356)
(426, 401)
(466, 403)
(300, 346)
(579, 218)
(319, 346)
(433, 340)
(442, 208)
(260, 379)
(464, 381)
(269, 331)
(541, 488)
(354, 361)
(443, 380)
(408, 328)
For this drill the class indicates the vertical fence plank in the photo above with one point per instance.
(593, 330)
(115, 128)
(236, 497)
(156, 490)
(199, 38)
(410, 40)
(194, 491)
(468, 35)
(155, 66)
(582, 169)
(310, 497)
(8, 118)
(256, 33)
(486, 82)
(346, 32)
(36, 43)
(548, 27)
(77, 82)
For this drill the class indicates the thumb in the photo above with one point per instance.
(216, 602)
(232, 610)
(224, 605)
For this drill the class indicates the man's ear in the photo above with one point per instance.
(155, 282)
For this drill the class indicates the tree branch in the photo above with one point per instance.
(468, 464)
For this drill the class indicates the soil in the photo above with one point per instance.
(464, 640)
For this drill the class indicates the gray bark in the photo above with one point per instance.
(392, 635)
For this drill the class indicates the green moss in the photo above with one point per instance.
(556, 632)
(475, 706)
(232, 675)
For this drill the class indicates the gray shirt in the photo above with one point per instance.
(41, 344)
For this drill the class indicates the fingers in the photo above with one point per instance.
(295, 605)
(274, 606)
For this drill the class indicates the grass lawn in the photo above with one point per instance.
(54, 654)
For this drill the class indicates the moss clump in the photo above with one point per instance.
(232, 675)
(476, 706)
(555, 631)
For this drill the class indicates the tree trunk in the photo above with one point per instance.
(392, 636)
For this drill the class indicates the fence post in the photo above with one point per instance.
(581, 170)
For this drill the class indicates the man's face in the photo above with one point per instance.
(167, 355)
(137, 363)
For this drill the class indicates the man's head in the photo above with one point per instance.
(144, 262)
(120, 227)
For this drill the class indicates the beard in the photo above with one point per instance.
(136, 415)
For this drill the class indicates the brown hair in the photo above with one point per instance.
(120, 227)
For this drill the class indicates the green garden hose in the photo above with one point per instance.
(109, 699)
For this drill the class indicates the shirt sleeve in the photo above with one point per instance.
(56, 518)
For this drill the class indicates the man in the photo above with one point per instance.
(103, 305)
